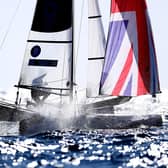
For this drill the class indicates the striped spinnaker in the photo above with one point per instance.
(130, 66)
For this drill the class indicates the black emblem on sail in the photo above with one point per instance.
(35, 52)
(49, 63)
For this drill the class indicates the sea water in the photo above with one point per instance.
(87, 149)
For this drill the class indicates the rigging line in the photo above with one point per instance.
(56, 81)
(39, 87)
(63, 67)
(80, 27)
(49, 82)
(10, 23)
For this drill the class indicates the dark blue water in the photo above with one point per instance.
(87, 149)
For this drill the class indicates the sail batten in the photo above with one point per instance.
(44, 41)
(130, 67)
(94, 17)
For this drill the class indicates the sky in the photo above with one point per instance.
(158, 13)
(15, 26)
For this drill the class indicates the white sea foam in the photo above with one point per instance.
(62, 114)
(145, 104)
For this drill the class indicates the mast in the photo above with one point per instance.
(72, 57)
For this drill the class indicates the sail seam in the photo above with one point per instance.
(42, 41)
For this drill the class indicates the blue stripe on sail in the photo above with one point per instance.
(127, 91)
(117, 31)
(38, 62)
(154, 87)
(154, 78)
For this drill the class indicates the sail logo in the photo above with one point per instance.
(35, 52)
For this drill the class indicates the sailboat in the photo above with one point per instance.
(122, 67)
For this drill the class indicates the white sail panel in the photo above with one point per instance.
(96, 48)
(48, 56)
(53, 60)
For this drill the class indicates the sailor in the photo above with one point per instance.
(39, 94)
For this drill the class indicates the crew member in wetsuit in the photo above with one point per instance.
(37, 94)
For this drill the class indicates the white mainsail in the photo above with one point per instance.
(48, 55)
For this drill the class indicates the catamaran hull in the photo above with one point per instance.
(114, 121)
(17, 121)
(20, 121)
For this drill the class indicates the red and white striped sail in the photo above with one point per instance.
(130, 67)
